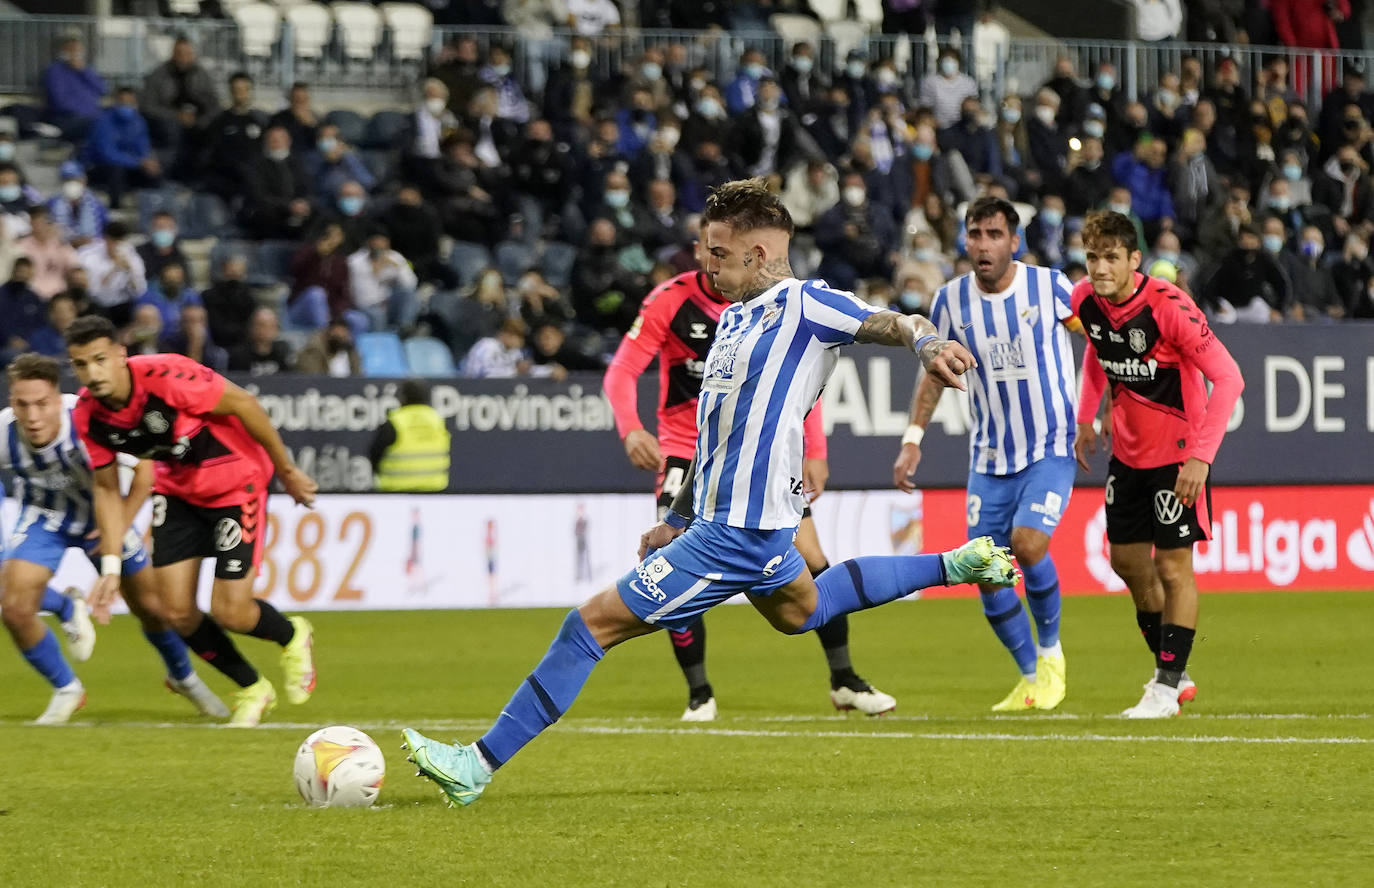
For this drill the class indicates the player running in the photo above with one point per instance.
(39, 445)
(215, 450)
(1149, 340)
(676, 325)
(1012, 317)
(774, 349)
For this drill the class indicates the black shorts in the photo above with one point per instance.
(671, 479)
(1142, 508)
(232, 535)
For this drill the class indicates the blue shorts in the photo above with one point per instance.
(36, 544)
(675, 585)
(1034, 497)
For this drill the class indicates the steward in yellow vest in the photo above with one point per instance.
(411, 449)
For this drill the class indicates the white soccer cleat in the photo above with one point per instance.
(1187, 690)
(193, 688)
(64, 704)
(80, 631)
(700, 712)
(1159, 701)
(869, 701)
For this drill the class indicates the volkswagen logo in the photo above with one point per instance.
(1167, 507)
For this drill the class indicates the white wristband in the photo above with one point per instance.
(914, 434)
(110, 565)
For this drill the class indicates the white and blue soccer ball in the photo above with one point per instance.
(339, 767)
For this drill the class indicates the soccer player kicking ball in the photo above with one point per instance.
(1013, 319)
(38, 443)
(1149, 340)
(677, 325)
(215, 450)
(774, 349)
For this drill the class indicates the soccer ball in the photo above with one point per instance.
(339, 767)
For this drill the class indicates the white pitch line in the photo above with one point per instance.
(587, 726)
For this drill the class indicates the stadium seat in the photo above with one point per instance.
(167, 199)
(557, 264)
(831, 11)
(870, 12)
(350, 123)
(469, 260)
(428, 356)
(229, 7)
(847, 36)
(360, 29)
(795, 29)
(311, 27)
(514, 259)
(382, 354)
(384, 129)
(272, 261)
(207, 216)
(259, 27)
(412, 30)
(184, 7)
(381, 164)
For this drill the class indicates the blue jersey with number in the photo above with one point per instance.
(770, 358)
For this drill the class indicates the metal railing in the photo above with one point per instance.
(126, 49)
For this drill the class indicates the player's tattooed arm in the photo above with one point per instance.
(943, 359)
(891, 328)
(924, 400)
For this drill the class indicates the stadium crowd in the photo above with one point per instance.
(522, 226)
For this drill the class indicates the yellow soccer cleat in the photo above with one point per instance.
(1021, 698)
(252, 703)
(298, 662)
(1050, 683)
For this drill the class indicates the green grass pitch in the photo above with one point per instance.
(1268, 778)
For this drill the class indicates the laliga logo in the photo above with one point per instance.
(1098, 562)
(1360, 546)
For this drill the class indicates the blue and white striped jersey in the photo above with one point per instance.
(52, 484)
(770, 359)
(1024, 392)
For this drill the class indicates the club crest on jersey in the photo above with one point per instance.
(1136, 340)
(770, 316)
(156, 422)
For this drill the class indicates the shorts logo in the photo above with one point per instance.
(698, 331)
(156, 422)
(228, 534)
(772, 566)
(1052, 508)
(1167, 507)
(651, 574)
(1136, 339)
(233, 565)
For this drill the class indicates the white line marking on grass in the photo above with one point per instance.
(622, 728)
(1030, 718)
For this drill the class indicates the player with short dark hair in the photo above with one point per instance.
(52, 471)
(676, 325)
(732, 528)
(1014, 318)
(215, 450)
(1151, 343)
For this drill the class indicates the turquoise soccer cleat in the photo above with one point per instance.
(980, 560)
(455, 768)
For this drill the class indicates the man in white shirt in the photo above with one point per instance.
(115, 271)
(383, 284)
(502, 356)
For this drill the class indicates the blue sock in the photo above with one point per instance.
(56, 603)
(172, 650)
(46, 657)
(546, 693)
(861, 583)
(1042, 597)
(1003, 609)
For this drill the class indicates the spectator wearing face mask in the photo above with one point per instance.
(809, 190)
(1169, 249)
(973, 141)
(946, 90)
(332, 162)
(162, 247)
(331, 352)
(802, 84)
(1274, 241)
(1105, 93)
(764, 140)
(511, 103)
(1046, 142)
(502, 356)
(857, 238)
(742, 92)
(1315, 297)
(115, 273)
(636, 123)
(1248, 285)
(933, 173)
(1193, 183)
(52, 257)
(1354, 276)
(276, 202)
(431, 122)
(570, 95)
(707, 122)
(383, 285)
(662, 160)
(1278, 201)
(78, 213)
(169, 293)
(1121, 200)
(229, 302)
(17, 202)
(351, 215)
(1343, 187)
(1045, 233)
(119, 152)
(1089, 181)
